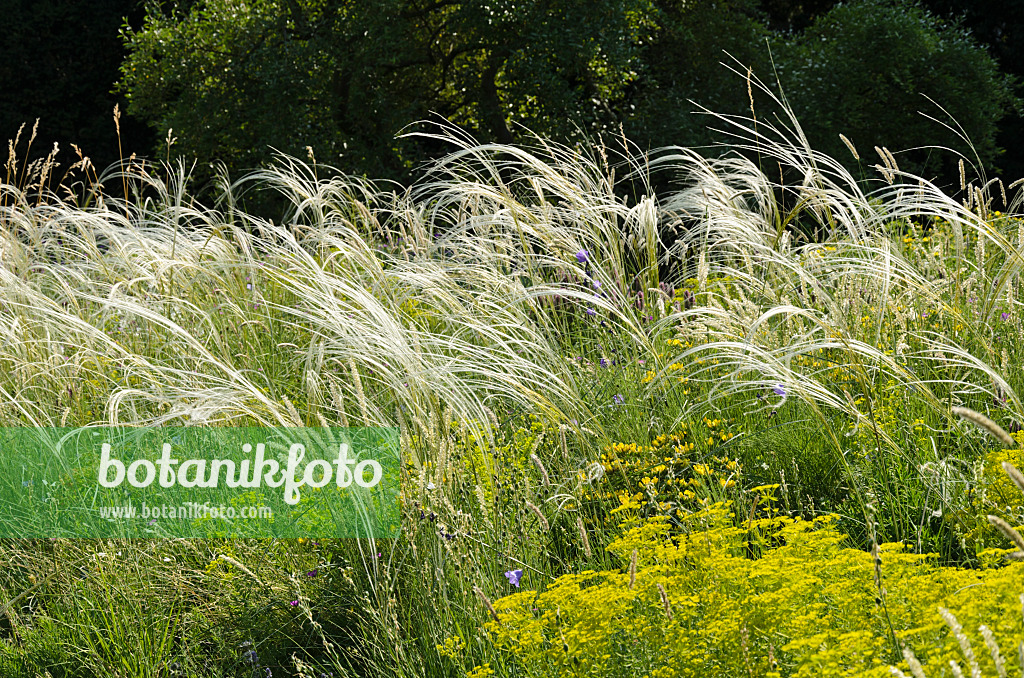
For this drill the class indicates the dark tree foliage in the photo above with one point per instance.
(60, 64)
(999, 25)
(793, 15)
(237, 78)
(863, 69)
(343, 77)
(234, 78)
(691, 62)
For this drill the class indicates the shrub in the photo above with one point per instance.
(862, 68)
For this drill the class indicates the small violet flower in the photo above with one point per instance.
(591, 311)
(1004, 315)
(778, 390)
(514, 576)
(582, 256)
(618, 399)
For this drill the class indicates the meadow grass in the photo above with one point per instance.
(708, 430)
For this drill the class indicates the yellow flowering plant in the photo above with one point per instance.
(768, 596)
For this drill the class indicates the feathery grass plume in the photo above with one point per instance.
(664, 601)
(545, 480)
(1009, 532)
(886, 169)
(485, 508)
(963, 640)
(892, 161)
(486, 601)
(849, 145)
(296, 418)
(632, 570)
(983, 422)
(993, 648)
(876, 558)
(240, 566)
(360, 394)
(979, 251)
(540, 515)
(1015, 475)
(915, 666)
(734, 216)
(583, 537)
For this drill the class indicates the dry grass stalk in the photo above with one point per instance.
(545, 479)
(583, 537)
(540, 515)
(486, 601)
(632, 570)
(664, 601)
(983, 422)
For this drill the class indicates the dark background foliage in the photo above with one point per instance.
(59, 63)
(235, 79)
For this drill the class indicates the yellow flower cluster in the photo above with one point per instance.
(670, 472)
(767, 597)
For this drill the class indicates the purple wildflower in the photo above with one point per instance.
(591, 311)
(1004, 315)
(618, 399)
(514, 576)
(778, 390)
(582, 256)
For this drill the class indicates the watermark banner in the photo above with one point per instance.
(195, 482)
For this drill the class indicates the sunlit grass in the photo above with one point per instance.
(563, 350)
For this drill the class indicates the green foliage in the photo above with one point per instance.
(861, 70)
(682, 70)
(344, 78)
(508, 317)
(233, 79)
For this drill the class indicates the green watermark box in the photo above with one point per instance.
(195, 482)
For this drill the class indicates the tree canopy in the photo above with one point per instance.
(235, 78)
